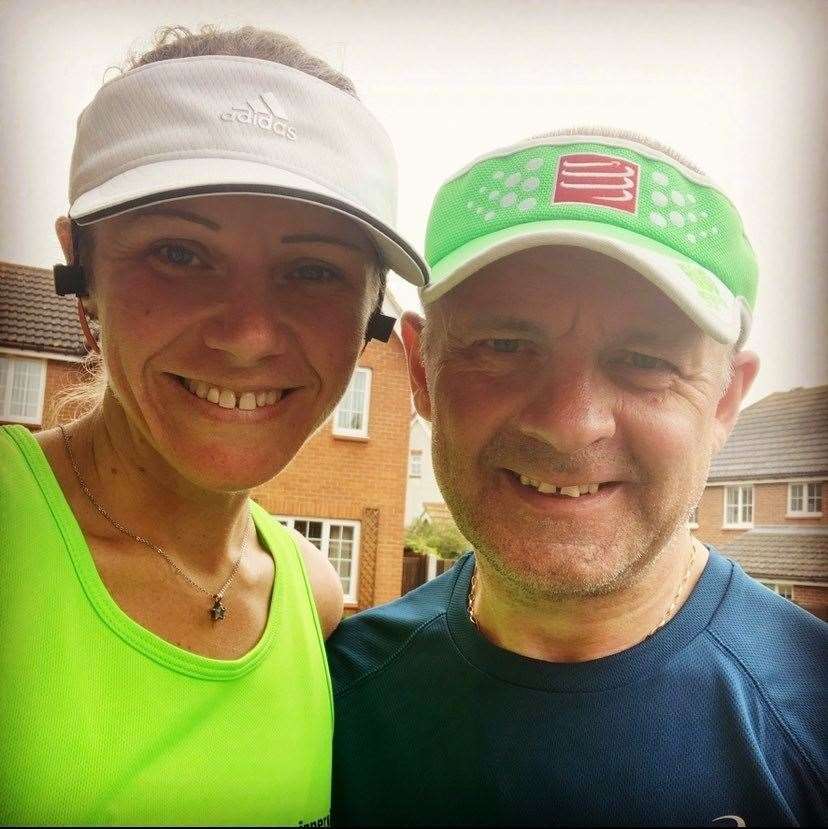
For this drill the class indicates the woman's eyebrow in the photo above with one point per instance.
(315, 237)
(175, 213)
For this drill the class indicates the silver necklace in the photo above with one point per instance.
(218, 611)
(666, 618)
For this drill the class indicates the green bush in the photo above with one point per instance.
(437, 538)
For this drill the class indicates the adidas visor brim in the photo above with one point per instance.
(150, 184)
(714, 310)
(220, 124)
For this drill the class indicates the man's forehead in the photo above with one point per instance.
(556, 287)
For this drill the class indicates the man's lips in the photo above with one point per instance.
(566, 493)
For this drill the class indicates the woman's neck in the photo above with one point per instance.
(201, 529)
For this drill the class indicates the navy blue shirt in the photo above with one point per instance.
(717, 718)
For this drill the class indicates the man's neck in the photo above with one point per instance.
(201, 529)
(582, 628)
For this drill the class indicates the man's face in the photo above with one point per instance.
(261, 297)
(561, 367)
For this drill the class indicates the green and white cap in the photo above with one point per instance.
(615, 195)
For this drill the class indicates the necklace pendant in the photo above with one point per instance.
(218, 611)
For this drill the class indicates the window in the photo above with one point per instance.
(351, 415)
(22, 383)
(805, 499)
(739, 506)
(785, 590)
(339, 540)
(415, 464)
(693, 518)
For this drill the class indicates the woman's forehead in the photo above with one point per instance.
(233, 212)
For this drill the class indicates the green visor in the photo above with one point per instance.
(615, 196)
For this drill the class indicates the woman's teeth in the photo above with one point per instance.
(229, 399)
(550, 489)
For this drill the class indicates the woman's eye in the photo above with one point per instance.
(178, 255)
(315, 272)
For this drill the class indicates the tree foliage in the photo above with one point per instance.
(435, 538)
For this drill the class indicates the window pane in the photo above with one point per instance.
(350, 414)
(747, 504)
(786, 590)
(732, 496)
(796, 497)
(4, 373)
(814, 497)
(25, 388)
(340, 552)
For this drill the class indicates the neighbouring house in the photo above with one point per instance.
(41, 346)
(763, 504)
(345, 490)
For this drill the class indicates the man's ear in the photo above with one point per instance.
(745, 366)
(412, 330)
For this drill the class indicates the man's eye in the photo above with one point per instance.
(315, 272)
(503, 346)
(178, 255)
(645, 362)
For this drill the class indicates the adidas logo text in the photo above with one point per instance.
(262, 112)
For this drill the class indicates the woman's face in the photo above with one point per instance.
(230, 326)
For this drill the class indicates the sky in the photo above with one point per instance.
(738, 86)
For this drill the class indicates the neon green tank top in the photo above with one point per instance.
(102, 721)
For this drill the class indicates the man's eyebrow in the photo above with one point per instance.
(664, 339)
(175, 213)
(327, 240)
(501, 322)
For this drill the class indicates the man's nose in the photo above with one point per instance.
(249, 324)
(570, 409)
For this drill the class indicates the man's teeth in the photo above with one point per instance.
(550, 489)
(228, 399)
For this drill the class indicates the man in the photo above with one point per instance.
(591, 663)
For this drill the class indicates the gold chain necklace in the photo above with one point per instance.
(218, 611)
(666, 618)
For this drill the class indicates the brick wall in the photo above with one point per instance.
(814, 598)
(59, 376)
(770, 506)
(711, 518)
(359, 480)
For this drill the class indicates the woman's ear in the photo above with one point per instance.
(63, 229)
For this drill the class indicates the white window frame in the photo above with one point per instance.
(5, 403)
(693, 518)
(740, 523)
(806, 497)
(352, 596)
(783, 588)
(359, 434)
(415, 454)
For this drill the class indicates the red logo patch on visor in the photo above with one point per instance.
(597, 179)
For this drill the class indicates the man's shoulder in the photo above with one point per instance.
(369, 640)
(782, 650)
(759, 625)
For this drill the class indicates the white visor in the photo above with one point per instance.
(221, 124)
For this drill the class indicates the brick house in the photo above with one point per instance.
(763, 502)
(41, 346)
(345, 490)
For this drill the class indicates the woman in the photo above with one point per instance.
(231, 203)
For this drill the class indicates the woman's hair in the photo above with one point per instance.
(172, 42)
